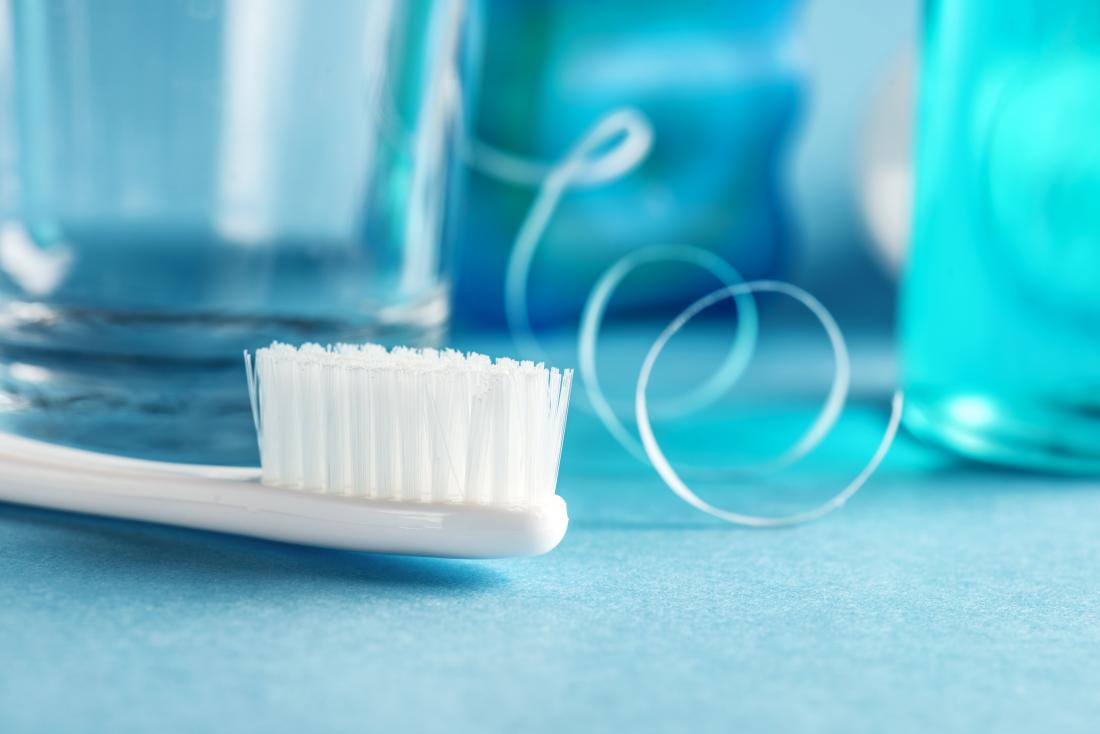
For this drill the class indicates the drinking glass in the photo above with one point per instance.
(181, 180)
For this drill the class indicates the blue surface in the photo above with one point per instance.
(942, 598)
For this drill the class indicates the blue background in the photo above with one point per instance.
(944, 597)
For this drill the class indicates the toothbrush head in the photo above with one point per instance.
(416, 430)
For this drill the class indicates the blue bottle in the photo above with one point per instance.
(723, 87)
(1001, 306)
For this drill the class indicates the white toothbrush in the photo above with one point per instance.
(408, 451)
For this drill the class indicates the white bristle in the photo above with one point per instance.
(418, 425)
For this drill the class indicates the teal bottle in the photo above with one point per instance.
(1001, 303)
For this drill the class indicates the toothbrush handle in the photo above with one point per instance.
(231, 500)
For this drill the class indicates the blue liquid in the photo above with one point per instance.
(1001, 307)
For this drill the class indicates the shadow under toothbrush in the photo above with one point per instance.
(104, 547)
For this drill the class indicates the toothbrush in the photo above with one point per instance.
(418, 452)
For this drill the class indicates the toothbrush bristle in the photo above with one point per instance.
(420, 425)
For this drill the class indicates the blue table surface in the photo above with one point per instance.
(944, 597)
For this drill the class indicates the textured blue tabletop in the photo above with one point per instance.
(943, 597)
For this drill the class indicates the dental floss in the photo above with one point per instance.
(817, 432)
(578, 168)
(505, 166)
(636, 138)
(807, 442)
(592, 318)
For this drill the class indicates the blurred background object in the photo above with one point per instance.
(1001, 312)
(184, 179)
(852, 47)
(284, 170)
(885, 178)
(722, 85)
(759, 112)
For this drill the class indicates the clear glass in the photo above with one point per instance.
(184, 179)
(1001, 307)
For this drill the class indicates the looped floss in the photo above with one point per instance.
(633, 135)
(817, 432)
(610, 149)
(714, 387)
